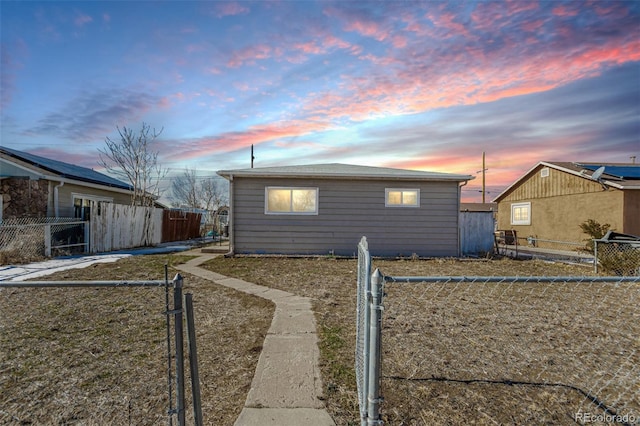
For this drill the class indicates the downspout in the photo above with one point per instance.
(232, 233)
(56, 199)
(459, 196)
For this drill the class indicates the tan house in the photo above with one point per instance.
(553, 198)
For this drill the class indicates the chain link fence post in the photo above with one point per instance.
(179, 342)
(375, 356)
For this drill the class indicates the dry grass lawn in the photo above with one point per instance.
(471, 353)
(453, 353)
(99, 356)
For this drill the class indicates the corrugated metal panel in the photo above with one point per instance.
(476, 232)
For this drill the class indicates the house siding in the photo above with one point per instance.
(560, 202)
(347, 210)
(631, 215)
(65, 197)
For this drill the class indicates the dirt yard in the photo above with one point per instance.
(453, 354)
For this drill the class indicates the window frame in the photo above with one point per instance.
(291, 212)
(402, 204)
(85, 211)
(515, 206)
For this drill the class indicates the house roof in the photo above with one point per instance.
(64, 170)
(339, 171)
(624, 176)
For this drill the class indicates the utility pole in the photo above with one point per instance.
(483, 179)
(252, 157)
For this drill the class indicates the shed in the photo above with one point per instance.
(325, 209)
(552, 199)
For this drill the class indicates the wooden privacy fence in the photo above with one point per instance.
(476, 233)
(179, 225)
(119, 226)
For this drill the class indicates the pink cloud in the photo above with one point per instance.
(564, 10)
(532, 26)
(84, 158)
(82, 19)
(399, 41)
(448, 21)
(230, 9)
(310, 47)
(518, 6)
(368, 29)
(249, 55)
(232, 141)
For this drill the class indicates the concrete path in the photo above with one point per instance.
(286, 388)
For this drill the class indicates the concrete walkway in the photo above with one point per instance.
(286, 388)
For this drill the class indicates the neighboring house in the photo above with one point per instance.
(327, 208)
(552, 199)
(35, 186)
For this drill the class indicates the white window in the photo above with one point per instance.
(521, 214)
(287, 200)
(402, 197)
(82, 204)
(544, 172)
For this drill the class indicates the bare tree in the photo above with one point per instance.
(197, 192)
(132, 158)
(213, 193)
(184, 190)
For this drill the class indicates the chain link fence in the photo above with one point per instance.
(508, 243)
(25, 239)
(507, 350)
(618, 257)
(97, 352)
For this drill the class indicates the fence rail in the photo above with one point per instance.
(504, 350)
(175, 353)
(28, 239)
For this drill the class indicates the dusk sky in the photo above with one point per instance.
(404, 84)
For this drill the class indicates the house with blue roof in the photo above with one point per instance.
(36, 186)
(552, 199)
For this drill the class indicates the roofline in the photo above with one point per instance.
(38, 171)
(257, 173)
(563, 169)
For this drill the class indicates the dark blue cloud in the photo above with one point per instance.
(95, 114)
